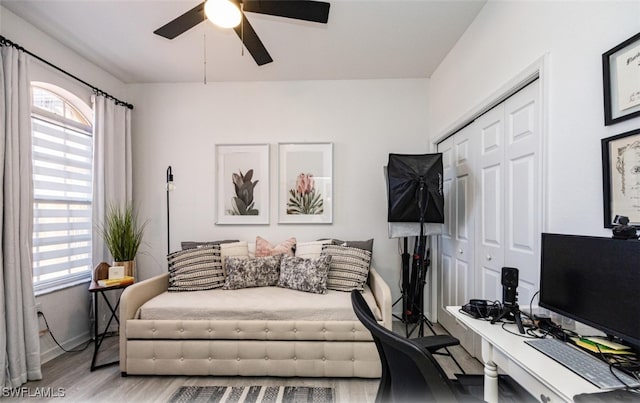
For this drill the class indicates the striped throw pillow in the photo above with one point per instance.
(195, 269)
(349, 267)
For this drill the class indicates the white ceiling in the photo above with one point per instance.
(364, 39)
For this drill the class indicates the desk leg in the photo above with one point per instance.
(490, 373)
(96, 345)
(99, 337)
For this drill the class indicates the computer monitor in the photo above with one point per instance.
(595, 281)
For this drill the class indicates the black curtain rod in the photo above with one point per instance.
(6, 42)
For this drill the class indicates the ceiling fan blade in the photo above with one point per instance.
(316, 11)
(183, 23)
(252, 42)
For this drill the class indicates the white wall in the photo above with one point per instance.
(67, 310)
(180, 124)
(505, 39)
(31, 38)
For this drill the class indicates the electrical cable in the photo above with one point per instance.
(56, 341)
(612, 364)
(524, 336)
(489, 307)
(531, 304)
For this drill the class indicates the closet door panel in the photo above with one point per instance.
(491, 283)
(463, 146)
(446, 241)
(490, 202)
(462, 209)
(456, 243)
(522, 189)
(447, 282)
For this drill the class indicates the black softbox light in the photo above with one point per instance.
(415, 184)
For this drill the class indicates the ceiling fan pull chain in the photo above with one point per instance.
(204, 41)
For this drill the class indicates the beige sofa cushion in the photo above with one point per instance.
(262, 303)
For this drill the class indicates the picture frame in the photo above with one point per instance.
(621, 177)
(305, 178)
(242, 172)
(621, 80)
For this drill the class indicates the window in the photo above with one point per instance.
(62, 181)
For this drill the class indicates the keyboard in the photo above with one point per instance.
(590, 368)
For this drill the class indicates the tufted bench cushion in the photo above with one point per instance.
(260, 303)
(254, 358)
(246, 330)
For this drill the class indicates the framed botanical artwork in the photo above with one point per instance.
(621, 78)
(621, 177)
(242, 183)
(305, 178)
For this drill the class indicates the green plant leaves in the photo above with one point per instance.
(122, 232)
(243, 203)
(310, 203)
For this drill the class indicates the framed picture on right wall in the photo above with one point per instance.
(621, 177)
(305, 180)
(621, 79)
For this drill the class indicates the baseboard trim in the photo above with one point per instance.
(72, 343)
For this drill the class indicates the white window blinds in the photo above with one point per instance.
(62, 174)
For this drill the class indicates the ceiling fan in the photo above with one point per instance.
(307, 10)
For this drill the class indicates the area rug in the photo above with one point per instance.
(252, 394)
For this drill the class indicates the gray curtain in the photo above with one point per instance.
(19, 341)
(112, 161)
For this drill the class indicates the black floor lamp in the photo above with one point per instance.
(170, 187)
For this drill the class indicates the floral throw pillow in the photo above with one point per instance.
(245, 272)
(265, 248)
(309, 275)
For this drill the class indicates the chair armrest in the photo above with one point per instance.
(382, 293)
(132, 298)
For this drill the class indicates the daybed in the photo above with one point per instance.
(263, 331)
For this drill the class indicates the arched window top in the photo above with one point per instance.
(47, 100)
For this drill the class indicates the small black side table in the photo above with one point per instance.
(96, 289)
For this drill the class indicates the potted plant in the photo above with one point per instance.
(122, 233)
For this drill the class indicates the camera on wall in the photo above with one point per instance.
(622, 229)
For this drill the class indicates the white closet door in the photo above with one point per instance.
(492, 185)
(508, 223)
(523, 189)
(491, 195)
(456, 243)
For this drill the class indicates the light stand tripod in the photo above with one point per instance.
(412, 291)
(413, 283)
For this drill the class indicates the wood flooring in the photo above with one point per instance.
(69, 374)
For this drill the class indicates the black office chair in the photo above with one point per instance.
(411, 373)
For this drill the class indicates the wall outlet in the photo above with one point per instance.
(41, 323)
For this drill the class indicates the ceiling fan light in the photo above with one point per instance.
(223, 13)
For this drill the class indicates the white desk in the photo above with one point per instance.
(544, 378)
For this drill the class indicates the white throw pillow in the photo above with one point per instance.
(239, 249)
(311, 250)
